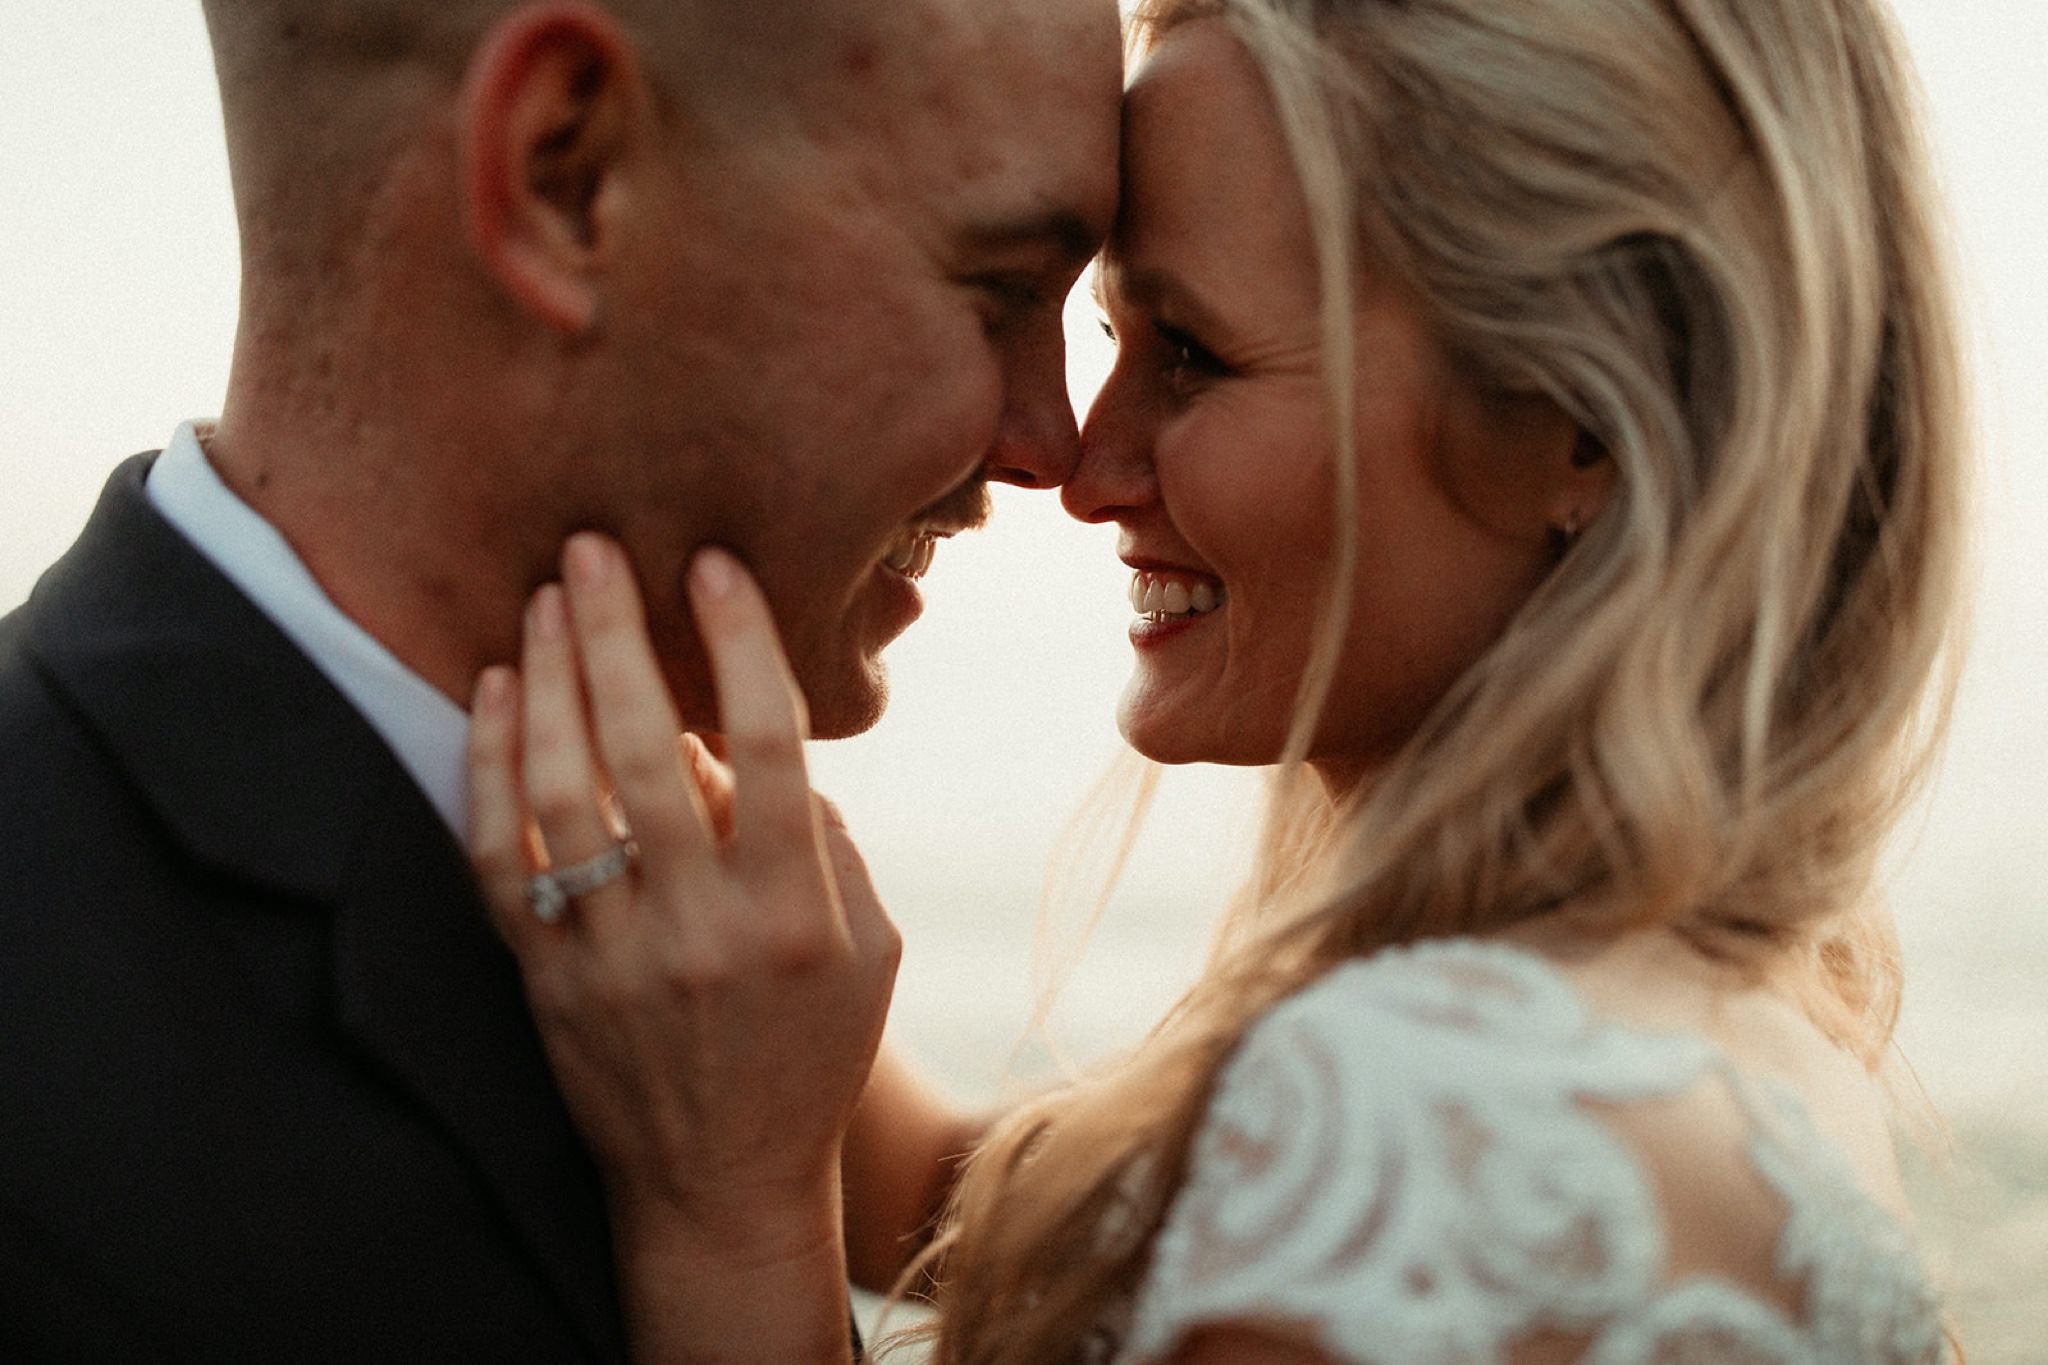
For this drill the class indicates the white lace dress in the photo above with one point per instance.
(1417, 1160)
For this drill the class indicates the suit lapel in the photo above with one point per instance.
(264, 772)
(423, 985)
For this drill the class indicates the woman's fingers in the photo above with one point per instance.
(562, 790)
(761, 713)
(714, 784)
(497, 814)
(873, 931)
(596, 702)
(630, 710)
(710, 1019)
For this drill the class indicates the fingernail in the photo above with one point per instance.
(493, 690)
(715, 573)
(586, 561)
(547, 620)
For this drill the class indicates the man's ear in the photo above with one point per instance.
(548, 115)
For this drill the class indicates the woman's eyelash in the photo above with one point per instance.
(1188, 353)
(1186, 348)
(1185, 358)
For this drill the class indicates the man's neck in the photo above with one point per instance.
(441, 594)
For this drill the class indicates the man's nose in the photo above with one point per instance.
(1038, 453)
(1039, 442)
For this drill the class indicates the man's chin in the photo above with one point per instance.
(849, 701)
(845, 691)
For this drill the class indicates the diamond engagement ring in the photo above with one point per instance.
(548, 893)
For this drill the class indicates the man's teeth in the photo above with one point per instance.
(912, 555)
(1159, 597)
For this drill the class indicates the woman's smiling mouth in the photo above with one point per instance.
(1169, 595)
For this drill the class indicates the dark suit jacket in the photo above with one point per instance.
(268, 1087)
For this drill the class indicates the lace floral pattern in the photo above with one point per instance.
(1401, 1164)
(1866, 1296)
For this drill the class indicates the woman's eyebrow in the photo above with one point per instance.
(1156, 290)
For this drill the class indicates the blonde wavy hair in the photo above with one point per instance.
(1705, 229)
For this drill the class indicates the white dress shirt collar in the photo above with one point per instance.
(428, 732)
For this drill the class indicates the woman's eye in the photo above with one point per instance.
(1187, 358)
(1169, 351)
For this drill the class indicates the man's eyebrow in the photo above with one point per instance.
(1075, 238)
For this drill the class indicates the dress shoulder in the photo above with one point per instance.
(1430, 1156)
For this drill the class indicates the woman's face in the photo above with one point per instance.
(1209, 447)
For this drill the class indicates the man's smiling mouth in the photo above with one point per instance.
(911, 553)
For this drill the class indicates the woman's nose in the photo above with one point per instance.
(1115, 473)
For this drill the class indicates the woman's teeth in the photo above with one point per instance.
(1159, 597)
(912, 554)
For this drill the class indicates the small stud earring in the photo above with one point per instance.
(1562, 538)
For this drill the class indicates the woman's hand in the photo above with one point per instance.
(711, 1015)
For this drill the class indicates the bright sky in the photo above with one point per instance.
(117, 267)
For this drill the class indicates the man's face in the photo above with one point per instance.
(857, 319)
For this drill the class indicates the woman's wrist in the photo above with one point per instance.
(757, 1226)
(746, 1277)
